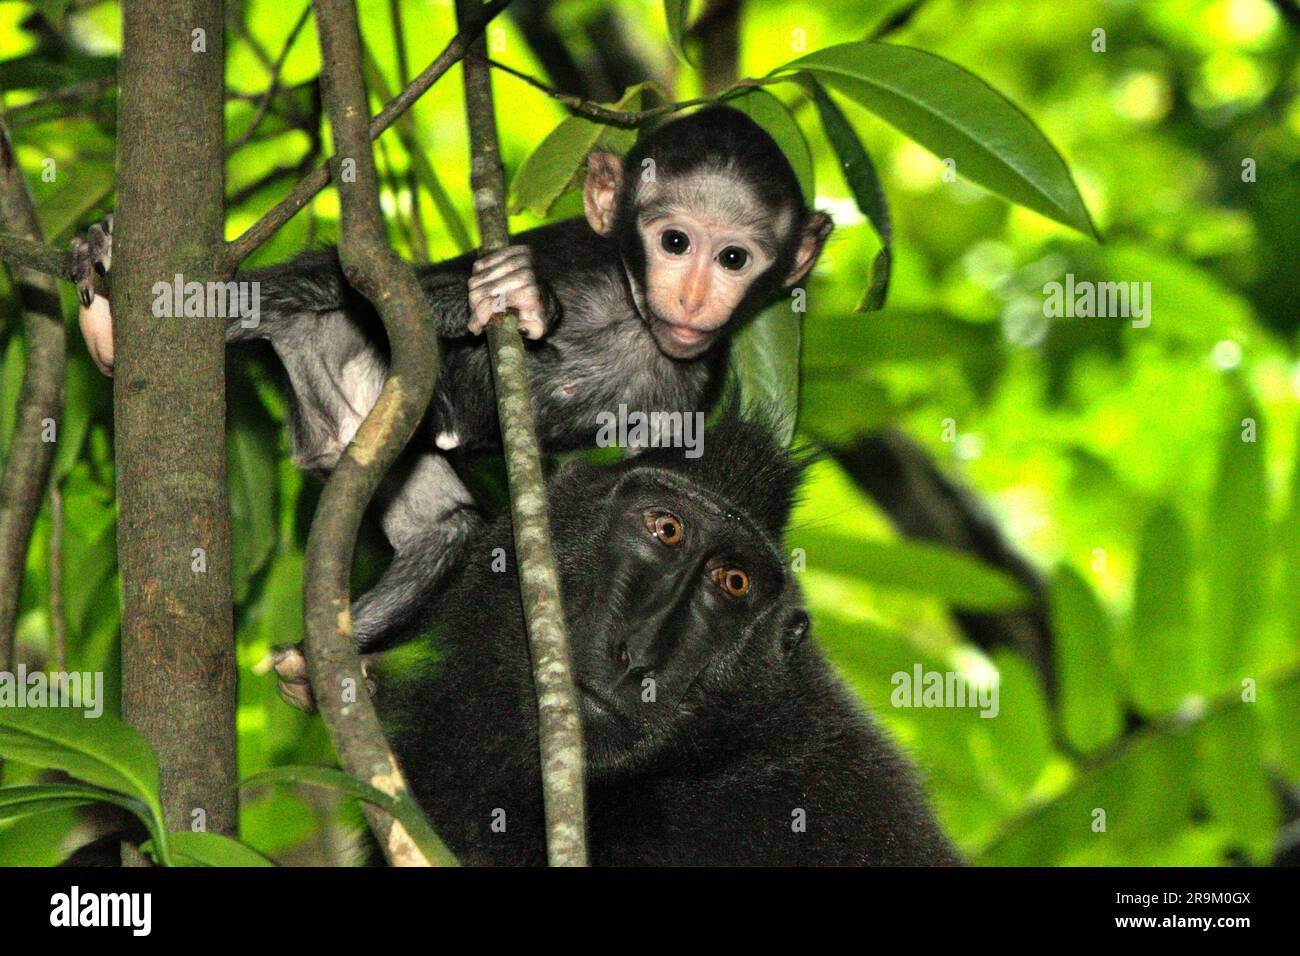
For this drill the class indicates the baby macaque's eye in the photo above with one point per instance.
(675, 242)
(733, 258)
(733, 581)
(665, 526)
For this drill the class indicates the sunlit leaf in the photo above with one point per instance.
(190, 848)
(771, 114)
(1162, 635)
(404, 810)
(860, 176)
(916, 566)
(1090, 699)
(956, 115)
(764, 362)
(1237, 544)
(99, 750)
(676, 13)
(1234, 781)
(555, 166)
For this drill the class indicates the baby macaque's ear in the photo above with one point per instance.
(810, 246)
(600, 194)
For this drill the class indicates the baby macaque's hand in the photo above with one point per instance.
(290, 668)
(91, 256)
(504, 280)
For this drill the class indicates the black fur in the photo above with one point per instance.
(750, 726)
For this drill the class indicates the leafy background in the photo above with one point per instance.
(1151, 555)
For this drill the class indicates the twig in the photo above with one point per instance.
(33, 255)
(264, 105)
(27, 464)
(559, 727)
(239, 249)
(628, 119)
(421, 247)
(390, 284)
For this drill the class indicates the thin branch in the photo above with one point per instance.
(559, 726)
(390, 284)
(239, 249)
(420, 167)
(421, 247)
(76, 99)
(40, 405)
(32, 255)
(629, 119)
(264, 105)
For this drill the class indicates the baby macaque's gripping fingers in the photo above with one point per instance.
(294, 686)
(291, 669)
(505, 280)
(92, 256)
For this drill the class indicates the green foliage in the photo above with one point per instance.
(955, 115)
(403, 810)
(1110, 454)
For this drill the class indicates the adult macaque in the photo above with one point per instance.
(716, 732)
(696, 230)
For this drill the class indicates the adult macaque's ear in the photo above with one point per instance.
(810, 246)
(793, 633)
(600, 194)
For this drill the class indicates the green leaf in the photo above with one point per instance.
(954, 114)
(916, 566)
(555, 166)
(425, 174)
(404, 811)
(860, 176)
(676, 13)
(80, 385)
(764, 364)
(1020, 735)
(1092, 711)
(19, 801)
(773, 116)
(1161, 644)
(99, 750)
(1234, 781)
(189, 848)
(251, 450)
(1236, 545)
(79, 192)
(11, 386)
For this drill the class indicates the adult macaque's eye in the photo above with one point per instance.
(733, 258)
(675, 242)
(665, 526)
(733, 581)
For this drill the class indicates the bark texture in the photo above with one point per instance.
(390, 284)
(178, 652)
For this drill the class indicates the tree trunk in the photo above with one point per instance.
(178, 655)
